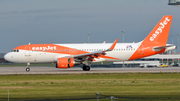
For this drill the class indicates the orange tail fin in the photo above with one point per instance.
(156, 38)
(160, 32)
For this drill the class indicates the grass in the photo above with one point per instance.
(124, 86)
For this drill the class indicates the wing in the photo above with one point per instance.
(90, 56)
(98, 52)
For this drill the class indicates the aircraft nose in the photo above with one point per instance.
(7, 57)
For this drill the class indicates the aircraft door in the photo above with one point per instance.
(141, 50)
(27, 51)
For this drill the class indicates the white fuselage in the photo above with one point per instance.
(122, 52)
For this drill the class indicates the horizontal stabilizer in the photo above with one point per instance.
(168, 47)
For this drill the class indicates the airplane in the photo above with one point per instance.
(69, 55)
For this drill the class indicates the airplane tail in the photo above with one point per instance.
(155, 42)
(159, 35)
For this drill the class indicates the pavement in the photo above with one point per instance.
(76, 70)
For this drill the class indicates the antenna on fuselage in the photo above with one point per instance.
(88, 37)
(29, 43)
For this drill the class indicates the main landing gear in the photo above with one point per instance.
(27, 68)
(86, 68)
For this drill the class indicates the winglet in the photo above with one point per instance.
(113, 45)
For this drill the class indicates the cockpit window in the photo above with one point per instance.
(16, 50)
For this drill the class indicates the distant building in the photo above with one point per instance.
(2, 60)
(152, 61)
(174, 2)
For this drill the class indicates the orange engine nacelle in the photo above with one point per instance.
(65, 62)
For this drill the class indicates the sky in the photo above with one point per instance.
(69, 21)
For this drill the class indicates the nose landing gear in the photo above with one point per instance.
(27, 68)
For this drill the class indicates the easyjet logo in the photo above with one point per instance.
(159, 29)
(44, 48)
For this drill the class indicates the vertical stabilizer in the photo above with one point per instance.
(159, 34)
(156, 38)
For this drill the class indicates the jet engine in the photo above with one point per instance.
(65, 63)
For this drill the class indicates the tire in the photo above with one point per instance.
(86, 68)
(27, 69)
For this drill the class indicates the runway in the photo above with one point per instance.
(76, 70)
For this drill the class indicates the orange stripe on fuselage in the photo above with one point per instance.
(51, 48)
(144, 52)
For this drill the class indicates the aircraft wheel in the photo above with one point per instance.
(86, 68)
(27, 69)
(83, 68)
